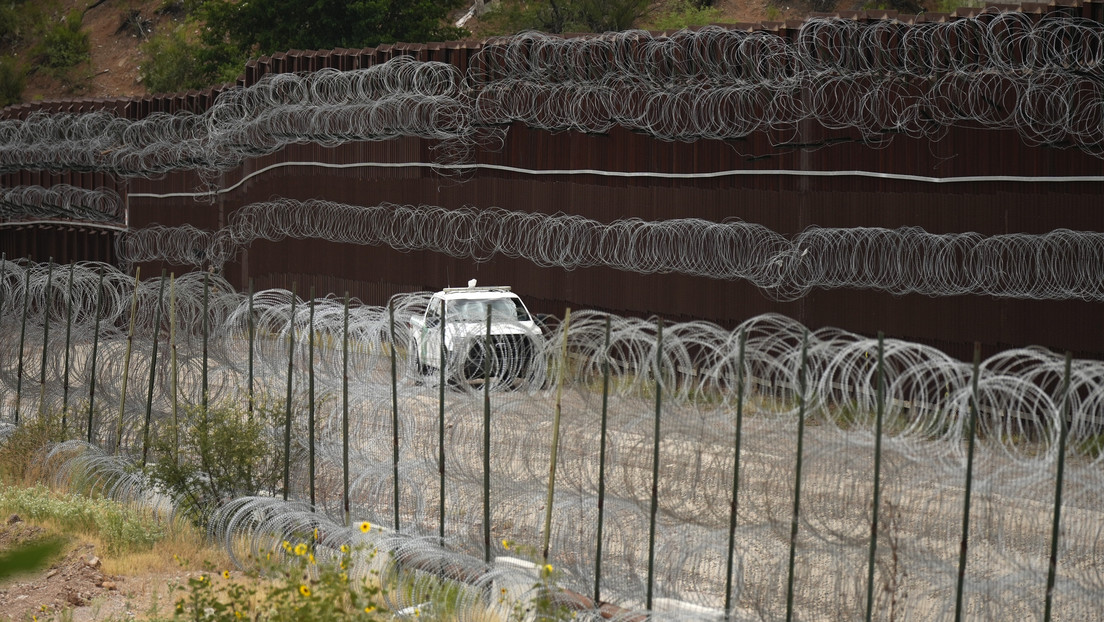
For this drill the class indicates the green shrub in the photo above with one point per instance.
(171, 63)
(65, 45)
(684, 14)
(21, 453)
(215, 455)
(12, 80)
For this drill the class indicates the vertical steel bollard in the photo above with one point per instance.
(95, 348)
(655, 462)
(971, 436)
(555, 450)
(602, 466)
(126, 360)
(1064, 421)
(880, 397)
(735, 473)
(797, 473)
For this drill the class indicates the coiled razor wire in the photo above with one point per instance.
(1021, 407)
(1058, 265)
(60, 202)
(1040, 78)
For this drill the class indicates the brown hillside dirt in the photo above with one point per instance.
(116, 56)
(77, 584)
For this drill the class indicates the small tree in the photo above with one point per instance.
(215, 455)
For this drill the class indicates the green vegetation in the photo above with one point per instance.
(64, 45)
(563, 16)
(685, 14)
(304, 589)
(170, 65)
(214, 455)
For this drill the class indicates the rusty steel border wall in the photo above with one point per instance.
(514, 180)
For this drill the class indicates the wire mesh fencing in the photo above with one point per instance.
(628, 468)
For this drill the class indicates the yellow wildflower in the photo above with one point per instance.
(344, 548)
(300, 548)
(304, 590)
(369, 609)
(225, 574)
(365, 527)
(310, 557)
(506, 544)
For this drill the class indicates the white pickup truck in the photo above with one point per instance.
(516, 340)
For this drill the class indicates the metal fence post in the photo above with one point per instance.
(345, 410)
(252, 336)
(153, 368)
(880, 398)
(971, 432)
(45, 336)
(394, 411)
(95, 348)
(655, 462)
(602, 466)
(555, 438)
(441, 421)
(68, 337)
(797, 472)
(287, 404)
(735, 472)
(126, 360)
(1064, 421)
(487, 441)
(22, 341)
(310, 398)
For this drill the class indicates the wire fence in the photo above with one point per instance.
(680, 471)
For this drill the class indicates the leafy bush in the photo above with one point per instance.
(12, 80)
(684, 14)
(223, 453)
(170, 64)
(65, 45)
(123, 530)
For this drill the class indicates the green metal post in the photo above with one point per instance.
(735, 473)
(252, 337)
(394, 413)
(655, 462)
(22, 341)
(797, 473)
(45, 336)
(291, 369)
(126, 360)
(204, 391)
(555, 450)
(95, 348)
(1064, 421)
(877, 477)
(345, 410)
(487, 349)
(68, 337)
(310, 397)
(153, 368)
(602, 466)
(971, 433)
(441, 422)
(175, 370)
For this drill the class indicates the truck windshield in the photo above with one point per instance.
(509, 309)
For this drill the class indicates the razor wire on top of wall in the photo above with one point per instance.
(1058, 265)
(681, 404)
(997, 70)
